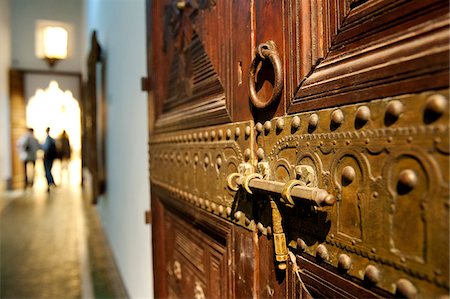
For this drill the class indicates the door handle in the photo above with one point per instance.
(289, 192)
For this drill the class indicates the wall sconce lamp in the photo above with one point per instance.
(51, 42)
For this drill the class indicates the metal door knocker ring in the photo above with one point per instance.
(262, 52)
(231, 182)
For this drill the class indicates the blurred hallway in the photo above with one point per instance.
(45, 242)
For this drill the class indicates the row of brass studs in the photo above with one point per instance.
(436, 106)
(403, 287)
(210, 135)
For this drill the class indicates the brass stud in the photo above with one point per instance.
(372, 274)
(206, 136)
(407, 179)
(405, 289)
(267, 126)
(207, 203)
(238, 215)
(195, 136)
(344, 262)
(228, 133)
(362, 115)
(228, 210)
(237, 132)
(393, 111)
(219, 161)
(280, 124)
(248, 131)
(337, 117)
(313, 121)
(269, 231)
(260, 227)
(190, 137)
(214, 207)
(348, 175)
(195, 199)
(201, 201)
(247, 221)
(221, 209)
(220, 134)
(259, 127)
(206, 160)
(213, 135)
(260, 154)
(301, 244)
(200, 136)
(322, 252)
(247, 154)
(295, 124)
(436, 104)
(329, 200)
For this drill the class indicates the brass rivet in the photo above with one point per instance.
(195, 136)
(259, 127)
(394, 109)
(313, 121)
(214, 207)
(260, 154)
(362, 115)
(280, 124)
(344, 262)
(436, 105)
(405, 289)
(248, 131)
(353, 242)
(238, 215)
(372, 274)
(267, 126)
(200, 136)
(389, 139)
(213, 135)
(322, 252)
(219, 161)
(329, 200)
(220, 134)
(334, 142)
(347, 142)
(207, 203)
(408, 179)
(237, 132)
(201, 201)
(195, 199)
(301, 244)
(409, 139)
(221, 209)
(206, 136)
(247, 221)
(269, 231)
(374, 250)
(247, 154)
(190, 137)
(260, 227)
(228, 133)
(348, 175)
(337, 117)
(228, 210)
(295, 123)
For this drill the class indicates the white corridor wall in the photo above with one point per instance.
(120, 26)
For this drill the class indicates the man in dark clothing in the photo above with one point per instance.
(49, 148)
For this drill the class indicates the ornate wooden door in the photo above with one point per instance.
(299, 148)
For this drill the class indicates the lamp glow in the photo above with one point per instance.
(55, 42)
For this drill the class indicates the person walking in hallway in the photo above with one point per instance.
(64, 151)
(28, 146)
(49, 148)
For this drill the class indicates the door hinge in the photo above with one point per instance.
(145, 84)
(148, 217)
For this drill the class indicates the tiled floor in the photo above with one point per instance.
(41, 239)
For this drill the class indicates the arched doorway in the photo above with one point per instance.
(58, 109)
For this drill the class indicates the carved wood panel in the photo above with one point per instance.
(351, 51)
